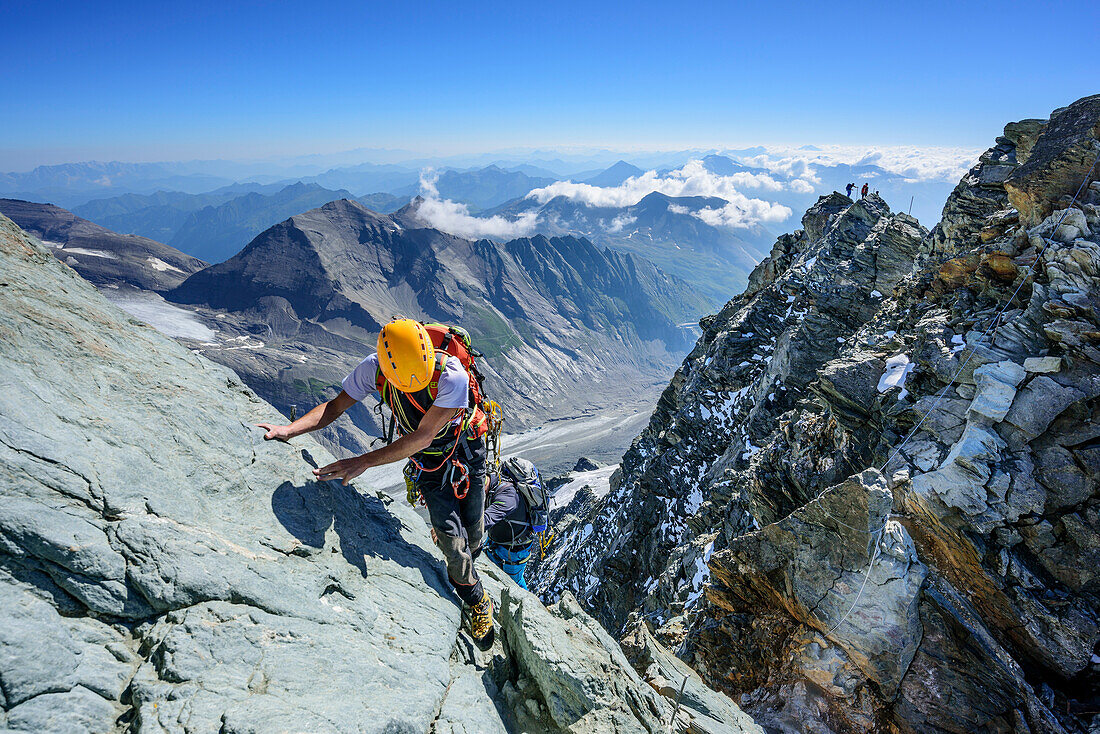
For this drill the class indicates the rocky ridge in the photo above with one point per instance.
(955, 589)
(162, 568)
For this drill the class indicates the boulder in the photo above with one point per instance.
(578, 670)
(585, 464)
(706, 711)
(818, 218)
(840, 566)
(1043, 365)
(1039, 403)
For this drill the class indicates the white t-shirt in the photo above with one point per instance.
(453, 391)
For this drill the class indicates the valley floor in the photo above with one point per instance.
(554, 447)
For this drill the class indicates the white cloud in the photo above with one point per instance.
(454, 217)
(693, 179)
(744, 213)
(619, 222)
(912, 162)
(801, 186)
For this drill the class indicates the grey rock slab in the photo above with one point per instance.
(42, 652)
(579, 670)
(138, 473)
(468, 708)
(1043, 365)
(77, 711)
(707, 710)
(1038, 403)
(229, 667)
(996, 387)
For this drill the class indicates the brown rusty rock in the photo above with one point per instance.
(990, 233)
(975, 270)
(997, 266)
(955, 273)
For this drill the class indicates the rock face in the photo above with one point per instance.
(565, 327)
(164, 569)
(1058, 162)
(102, 257)
(862, 504)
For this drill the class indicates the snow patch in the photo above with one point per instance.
(92, 253)
(598, 479)
(163, 316)
(159, 265)
(897, 371)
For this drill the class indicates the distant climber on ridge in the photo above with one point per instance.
(442, 435)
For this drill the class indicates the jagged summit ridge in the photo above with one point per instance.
(750, 509)
(819, 285)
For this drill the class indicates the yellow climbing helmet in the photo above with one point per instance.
(406, 355)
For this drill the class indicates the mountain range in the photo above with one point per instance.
(215, 233)
(481, 189)
(105, 258)
(664, 229)
(566, 328)
(689, 236)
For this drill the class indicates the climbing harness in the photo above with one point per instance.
(994, 323)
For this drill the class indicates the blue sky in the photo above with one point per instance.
(149, 81)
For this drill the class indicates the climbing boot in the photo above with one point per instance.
(481, 620)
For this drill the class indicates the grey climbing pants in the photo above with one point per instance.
(459, 523)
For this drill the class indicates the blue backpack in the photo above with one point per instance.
(526, 478)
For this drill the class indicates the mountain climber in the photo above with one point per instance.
(515, 512)
(428, 392)
(863, 191)
(849, 188)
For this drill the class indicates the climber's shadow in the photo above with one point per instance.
(362, 522)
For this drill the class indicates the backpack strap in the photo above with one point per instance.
(433, 384)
